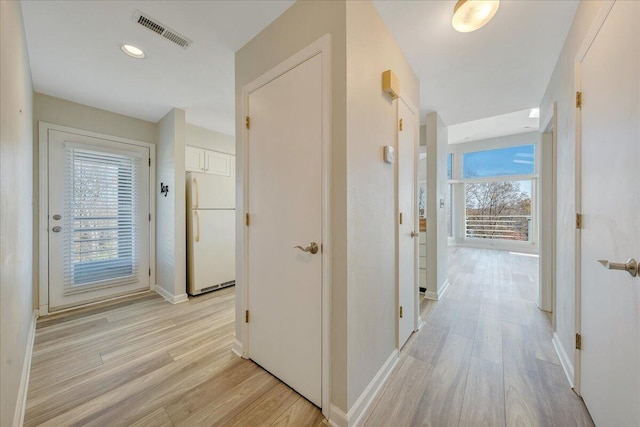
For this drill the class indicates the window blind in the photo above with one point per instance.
(102, 237)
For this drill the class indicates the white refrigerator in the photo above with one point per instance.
(211, 243)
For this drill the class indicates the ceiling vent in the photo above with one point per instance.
(158, 28)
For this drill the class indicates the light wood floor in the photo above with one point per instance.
(484, 358)
(145, 362)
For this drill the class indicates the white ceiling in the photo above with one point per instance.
(503, 67)
(492, 127)
(74, 48)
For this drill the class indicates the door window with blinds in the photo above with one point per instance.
(98, 219)
(101, 212)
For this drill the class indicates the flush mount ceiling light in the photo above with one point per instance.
(132, 51)
(469, 15)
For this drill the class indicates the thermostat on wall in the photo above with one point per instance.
(389, 154)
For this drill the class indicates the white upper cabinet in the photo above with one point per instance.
(194, 159)
(217, 163)
(207, 161)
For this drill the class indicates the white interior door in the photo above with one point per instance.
(285, 208)
(98, 226)
(610, 355)
(407, 231)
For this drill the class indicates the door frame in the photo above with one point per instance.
(588, 40)
(322, 47)
(547, 210)
(417, 321)
(43, 211)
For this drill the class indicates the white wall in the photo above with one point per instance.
(371, 218)
(16, 198)
(59, 111)
(196, 136)
(171, 252)
(437, 150)
(561, 89)
(300, 25)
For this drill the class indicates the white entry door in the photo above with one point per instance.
(407, 231)
(285, 208)
(610, 355)
(98, 219)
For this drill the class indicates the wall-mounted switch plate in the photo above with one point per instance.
(389, 154)
(441, 203)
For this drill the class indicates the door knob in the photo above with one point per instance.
(313, 248)
(414, 234)
(56, 229)
(631, 266)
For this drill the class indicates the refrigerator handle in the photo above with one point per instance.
(197, 238)
(196, 192)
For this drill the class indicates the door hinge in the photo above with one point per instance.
(400, 219)
(247, 122)
(400, 125)
(401, 312)
(578, 221)
(149, 161)
(149, 217)
(149, 271)
(246, 316)
(579, 99)
(246, 219)
(578, 342)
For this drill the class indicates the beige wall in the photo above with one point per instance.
(300, 25)
(363, 284)
(371, 124)
(171, 250)
(58, 111)
(16, 197)
(196, 136)
(561, 88)
(437, 150)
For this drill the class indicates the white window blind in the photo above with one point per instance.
(102, 235)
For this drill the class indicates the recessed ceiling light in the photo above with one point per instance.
(534, 113)
(469, 15)
(132, 51)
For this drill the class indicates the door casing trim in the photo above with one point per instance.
(588, 40)
(322, 46)
(43, 211)
(417, 321)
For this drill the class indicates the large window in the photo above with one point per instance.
(501, 162)
(498, 210)
(493, 193)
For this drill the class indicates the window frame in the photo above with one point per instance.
(458, 206)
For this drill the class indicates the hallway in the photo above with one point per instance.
(484, 356)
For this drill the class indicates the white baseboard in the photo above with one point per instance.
(236, 347)
(437, 296)
(21, 403)
(565, 361)
(360, 410)
(173, 299)
(337, 417)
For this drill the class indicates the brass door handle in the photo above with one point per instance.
(414, 234)
(313, 248)
(631, 266)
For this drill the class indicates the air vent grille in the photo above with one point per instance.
(155, 26)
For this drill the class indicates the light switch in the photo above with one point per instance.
(389, 154)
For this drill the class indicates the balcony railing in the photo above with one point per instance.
(504, 227)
